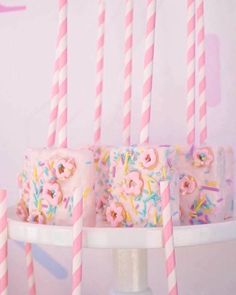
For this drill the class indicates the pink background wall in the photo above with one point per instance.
(27, 49)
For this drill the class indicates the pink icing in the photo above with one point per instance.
(149, 158)
(115, 214)
(133, 183)
(52, 193)
(203, 157)
(187, 185)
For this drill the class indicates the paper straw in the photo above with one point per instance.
(77, 243)
(62, 111)
(168, 238)
(99, 72)
(191, 72)
(128, 71)
(3, 243)
(148, 71)
(54, 104)
(30, 270)
(201, 72)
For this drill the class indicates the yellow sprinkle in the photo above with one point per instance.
(200, 204)
(126, 162)
(164, 172)
(40, 205)
(155, 217)
(132, 205)
(123, 197)
(128, 217)
(149, 187)
(35, 173)
(51, 164)
(86, 192)
(105, 157)
(152, 179)
(49, 216)
(212, 183)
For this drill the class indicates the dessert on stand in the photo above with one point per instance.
(127, 198)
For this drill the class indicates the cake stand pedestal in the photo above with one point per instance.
(130, 272)
(128, 244)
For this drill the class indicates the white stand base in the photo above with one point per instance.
(130, 272)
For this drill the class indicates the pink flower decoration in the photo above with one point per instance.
(37, 216)
(133, 183)
(188, 185)
(115, 214)
(22, 211)
(203, 157)
(64, 168)
(52, 193)
(149, 159)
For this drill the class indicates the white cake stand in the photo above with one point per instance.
(129, 245)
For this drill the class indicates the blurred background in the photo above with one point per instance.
(27, 50)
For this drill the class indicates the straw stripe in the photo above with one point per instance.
(54, 103)
(190, 72)
(77, 243)
(201, 72)
(62, 47)
(30, 270)
(3, 243)
(99, 72)
(128, 72)
(168, 238)
(148, 70)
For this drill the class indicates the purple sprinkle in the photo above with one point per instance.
(123, 159)
(209, 188)
(114, 171)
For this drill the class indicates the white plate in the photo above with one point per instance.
(118, 238)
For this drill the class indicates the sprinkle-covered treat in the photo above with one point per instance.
(206, 190)
(48, 181)
(102, 164)
(134, 198)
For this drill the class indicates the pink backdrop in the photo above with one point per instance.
(26, 61)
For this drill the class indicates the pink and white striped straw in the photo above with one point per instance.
(77, 243)
(191, 72)
(168, 238)
(99, 72)
(30, 270)
(201, 72)
(148, 70)
(52, 128)
(128, 71)
(3, 243)
(62, 111)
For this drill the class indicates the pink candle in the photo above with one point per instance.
(168, 238)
